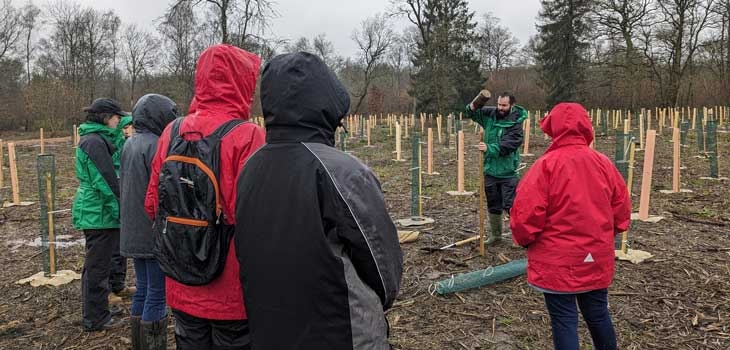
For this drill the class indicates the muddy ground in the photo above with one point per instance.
(680, 299)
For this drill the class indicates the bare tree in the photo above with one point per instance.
(180, 32)
(29, 21)
(9, 28)
(717, 47)
(244, 16)
(678, 37)
(325, 49)
(497, 46)
(621, 21)
(301, 44)
(141, 49)
(373, 39)
(113, 24)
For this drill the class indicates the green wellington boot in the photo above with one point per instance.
(495, 229)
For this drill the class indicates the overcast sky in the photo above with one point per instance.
(336, 18)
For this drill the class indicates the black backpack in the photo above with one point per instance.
(191, 239)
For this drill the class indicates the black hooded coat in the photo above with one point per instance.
(319, 254)
(150, 116)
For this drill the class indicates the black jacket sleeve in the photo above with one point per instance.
(368, 233)
(511, 140)
(100, 153)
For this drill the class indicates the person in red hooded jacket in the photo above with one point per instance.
(213, 316)
(568, 208)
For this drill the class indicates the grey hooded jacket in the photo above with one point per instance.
(150, 116)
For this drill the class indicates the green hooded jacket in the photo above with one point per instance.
(96, 204)
(503, 137)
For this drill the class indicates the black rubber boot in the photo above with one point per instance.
(135, 324)
(154, 335)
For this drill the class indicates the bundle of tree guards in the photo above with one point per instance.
(480, 278)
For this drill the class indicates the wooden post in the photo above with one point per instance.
(429, 154)
(646, 177)
(482, 201)
(438, 126)
(526, 128)
(676, 163)
(627, 131)
(368, 131)
(13, 173)
(641, 132)
(629, 186)
(460, 163)
(420, 178)
(51, 235)
(397, 142)
(423, 124)
(630, 175)
(2, 178)
(43, 146)
(694, 118)
(660, 121)
(406, 127)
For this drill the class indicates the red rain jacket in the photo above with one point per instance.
(569, 207)
(225, 81)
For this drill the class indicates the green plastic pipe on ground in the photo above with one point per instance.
(476, 279)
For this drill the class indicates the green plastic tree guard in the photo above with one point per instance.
(481, 278)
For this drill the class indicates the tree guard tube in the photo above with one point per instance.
(476, 279)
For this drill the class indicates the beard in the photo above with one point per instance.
(502, 114)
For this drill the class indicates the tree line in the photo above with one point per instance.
(56, 57)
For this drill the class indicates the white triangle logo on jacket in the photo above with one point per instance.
(589, 258)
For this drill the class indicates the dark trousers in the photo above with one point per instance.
(118, 272)
(564, 319)
(149, 300)
(95, 275)
(194, 333)
(500, 193)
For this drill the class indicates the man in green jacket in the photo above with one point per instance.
(96, 209)
(503, 136)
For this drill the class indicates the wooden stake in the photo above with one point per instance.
(429, 151)
(676, 163)
(460, 163)
(13, 173)
(406, 127)
(646, 177)
(2, 155)
(438, 126)
(420, 178)
(629, 186)
(397, 142)
(526, 128)
(51, 235)
(482, 201)
(641, 132)
(368, 131)
(43, 146)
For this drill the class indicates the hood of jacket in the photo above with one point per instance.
(225, 81)
(153, 112)
(568, 124)
(126, 120)
(302, 99)
(95, 128)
